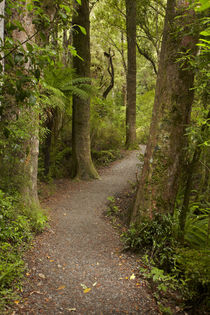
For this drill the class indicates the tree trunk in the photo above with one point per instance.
(131, 73)
(29, 166)
(82, 166)
(2, 7)
(164, 157)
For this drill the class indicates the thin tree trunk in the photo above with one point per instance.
(82, 165)
(163, 161)
(2, 7)
(131, 73)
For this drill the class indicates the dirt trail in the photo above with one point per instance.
(83, 249)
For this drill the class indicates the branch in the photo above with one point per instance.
(111, 73)
(17, 46)
(147, 56)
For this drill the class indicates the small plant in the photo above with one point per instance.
(112, 209)
(163, 281)
(155, 237)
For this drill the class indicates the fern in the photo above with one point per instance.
(62, 80)
(196, 228)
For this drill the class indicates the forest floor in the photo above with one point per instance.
(77, 265)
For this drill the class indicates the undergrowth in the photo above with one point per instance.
(104, 157)
(17, 227)
(170, 265)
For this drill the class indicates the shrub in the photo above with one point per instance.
(16, 227)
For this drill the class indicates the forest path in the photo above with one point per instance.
(83, 250)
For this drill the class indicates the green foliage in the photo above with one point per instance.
(155, 237)
(62, 79)
(168, 264)
(163, 281)
(104, 157)
(112, 207)
(107, 125)
(194, 266)
(16, 226)
(196, 227)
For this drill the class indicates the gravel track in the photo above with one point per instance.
(82, 251)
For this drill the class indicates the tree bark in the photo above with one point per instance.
(82, 165)
(2, 7)
(28, 168)
(164, 157)
(131, 73)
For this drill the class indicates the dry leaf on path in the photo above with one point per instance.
(87, 290)
(61, 287)
(71, 309)
(41, 275)
(37, 292)
(132, 277)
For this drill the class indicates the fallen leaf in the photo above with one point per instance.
(37, 292)
(126, 277)
(94, 284)
(59, 266)
(51, 260)
(42, 276)
(83, 286)
(138, 284)
(61, 287)
(27, 274)
(71, 309)
(132, 277)
(87, 290)
(17, 302)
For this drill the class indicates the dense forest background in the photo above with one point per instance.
(82, 80)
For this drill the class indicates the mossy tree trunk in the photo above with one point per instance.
(131, 73)
(82, 165)
(28, 164)
(165, 154)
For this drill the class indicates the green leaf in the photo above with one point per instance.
(82, 29)
(205, 33)
(63, 15)
(29, 47)
(19, 57)
(79, 1)
(205, 4)
(65, 7)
